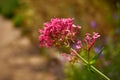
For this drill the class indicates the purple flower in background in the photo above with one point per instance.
(93, 24)
(117, 30)
(97, 50)
(115, 16)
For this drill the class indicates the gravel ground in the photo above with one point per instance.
(20, 60)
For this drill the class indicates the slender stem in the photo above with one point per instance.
(96, 70)
(88, 57)
(92, 67)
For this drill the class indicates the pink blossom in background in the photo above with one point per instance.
(77, 45)
(71, 57)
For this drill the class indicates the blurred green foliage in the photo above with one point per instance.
(11, 9)
(8, 8)
(108, 64)
(18, 19)
(76, 72)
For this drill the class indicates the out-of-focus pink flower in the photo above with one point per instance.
(57, 32)
(107, 63)
(65, 56)
(78, 44)
(90, 40)
(71, 57)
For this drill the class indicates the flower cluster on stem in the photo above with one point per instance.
(63, 31)
(57, 32)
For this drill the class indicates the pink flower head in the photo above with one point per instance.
(57, 32)
(90, 40)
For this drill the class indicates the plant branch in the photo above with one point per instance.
(92, 67)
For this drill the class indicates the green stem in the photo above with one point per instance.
(92, 67)
(88, 57)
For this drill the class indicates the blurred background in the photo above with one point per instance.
(22, 59)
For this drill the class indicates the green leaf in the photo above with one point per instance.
(93, 60)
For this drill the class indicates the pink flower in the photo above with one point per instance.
(78, 45)
(71, 57)
(95, 35)
(90, 40)
(57, 32)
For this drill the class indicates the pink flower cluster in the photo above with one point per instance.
(90, 40)
(63, 31)
(57, 32)
(87, 44)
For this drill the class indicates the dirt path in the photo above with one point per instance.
(19, 60)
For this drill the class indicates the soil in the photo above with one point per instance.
(20, 60)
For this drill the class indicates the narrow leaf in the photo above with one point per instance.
(93, 60)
